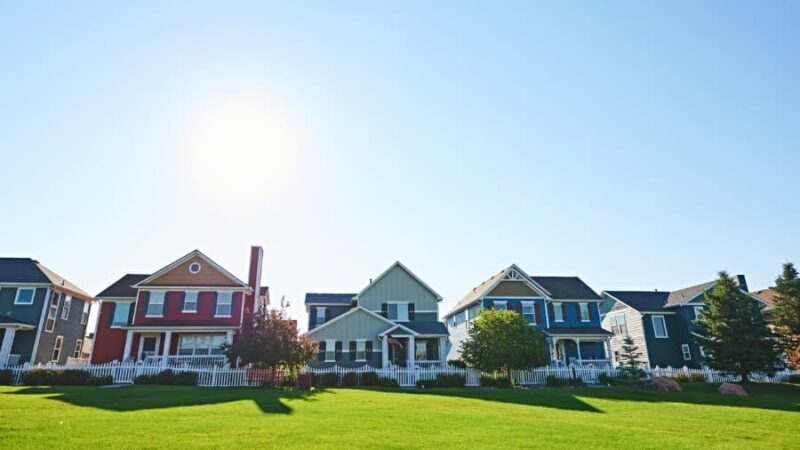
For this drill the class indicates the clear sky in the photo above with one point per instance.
(638, 145)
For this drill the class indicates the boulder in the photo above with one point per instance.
(662, 384)
(732, 389)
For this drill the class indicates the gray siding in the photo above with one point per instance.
(23, 340)
(633, 322)
(398, 286)
(71, 329)
(358, 325)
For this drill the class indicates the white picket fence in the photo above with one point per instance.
(125, 373)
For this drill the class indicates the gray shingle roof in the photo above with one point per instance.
(683, 295)
(8, 320)
(566, 288)
(576, 330)
(122, 287)
(642, 300)
(427, 327)
(21, 270)
(329, 299)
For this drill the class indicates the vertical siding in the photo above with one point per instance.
(398, 286)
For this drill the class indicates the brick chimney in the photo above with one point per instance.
(254, 279)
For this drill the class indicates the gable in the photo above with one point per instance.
(355, 324)
(513, 288)
(179, 274)
(398, 285)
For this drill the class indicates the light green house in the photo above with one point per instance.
(393, 321)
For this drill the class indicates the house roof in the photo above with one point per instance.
(8, 320)
(27, 270)
(427, 327)
(684, 295)
(123, 288)
(329, 299)
(768, 296)
(409, 272)
(193, 254)
(641, 300)
(577, 331)
(566, 288)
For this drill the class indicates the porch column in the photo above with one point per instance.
(442, 350)
(5, 348)
(578, 344)
(167, 344)
(384, 351)
(606, 349)
(411, 351)
(229, 337)
(126, 354)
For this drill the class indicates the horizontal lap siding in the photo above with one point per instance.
(109, 343)
(634, 324)
(173, 310)
(358, 325)
(181, 276)
(572, 316)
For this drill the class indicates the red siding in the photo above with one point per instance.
(203, 316)
(109, 343)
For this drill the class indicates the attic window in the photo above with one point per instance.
(195, 267)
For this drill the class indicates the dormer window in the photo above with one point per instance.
(195, 267)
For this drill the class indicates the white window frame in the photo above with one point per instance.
(330, 349)
(581, 307)
(696, 315)
(57, 346)
(398, 318)
(687, 352)
(213, 350)
(162, 296)
(195, 264)
(52, 313)
(196, 301)
(558, 312)
(85, 313)
(76, 352)
(229, 303)
(655, 329)
(127, 314)
(425, 346)
(361, 349)
(33, 296)
(320, 310)
(621, 321)
(500, 305)
(532, 305)
(612, 323)
(66, 308)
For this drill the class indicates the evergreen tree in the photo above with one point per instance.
(786, 313)
(631, 360)
(735, 336)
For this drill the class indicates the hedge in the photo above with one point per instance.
(169, 378)
(444, 381)
(49, 377)
(6, 377)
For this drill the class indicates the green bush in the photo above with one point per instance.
(288, 380)
(6, 377)
(328, 379)
(553, 381)
(457, 364)
(168, 378)
(794, 379)
(605, 379)
(48, 377)
(387, 382)
(505, 383)
(185, 379)
(443, 381)
(369, 379)
(144, 379)
(350, 379)
(100, 381)
(487, 381)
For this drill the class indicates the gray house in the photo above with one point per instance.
(393, 321)
(42, 316)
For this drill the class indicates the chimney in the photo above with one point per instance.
(254, 279)
(742, 283)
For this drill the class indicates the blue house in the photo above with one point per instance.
(564, 308)
(661, 323)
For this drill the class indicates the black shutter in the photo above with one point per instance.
(338, 350)
(214, 303)
(327, 314)
(321, 354)
(432, 350)
(312, 318)
(352, 350)
(411, 314)
(368, 348)
(145, 302)
(385, 310)
(182, 302)
(111, 307)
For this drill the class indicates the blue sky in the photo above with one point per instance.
(638, 145)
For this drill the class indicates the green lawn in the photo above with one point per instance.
(157, 416)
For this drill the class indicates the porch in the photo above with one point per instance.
(177, 347)
(410, 351)
(8, 331)
(579, 351)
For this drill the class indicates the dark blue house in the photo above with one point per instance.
(661, 323)
(564, 308)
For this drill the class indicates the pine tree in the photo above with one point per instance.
(630, 360)
(787, 312)
(735, 336)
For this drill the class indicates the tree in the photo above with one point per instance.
(630, 360)
(503, 341)
(786, 313)
(734, 332)
(269, 339)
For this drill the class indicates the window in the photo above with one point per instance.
(85, 313)
(195, 267)
(224, 304)
(24, 296)
(622, 325)
(584, 310)
(421, 351)
(659, 327)
(698, 313)
(76, 353)
(361, 350)
(65, 309)
(190, 302)
(558, 312)
(57, 349)
(501, 306)
(199, 345)
(398, 312)
(330, 350)
(529, 313)
(320, 315)
(687, 353)
(121, 314)
(52, 312)
(155, 306)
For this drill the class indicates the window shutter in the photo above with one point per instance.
(385, 310)
(589, 307)
(321, 354)
(551, 311)
(327, 314)
(338, 350)
(411, 313)
(214, 303)
(111, 307)
(578, 311)
(537, 312)
(563, 312)
(352, 350)
(368, 348)
(182, 302)
(145, 302)
(491, 305)
(519, 308)
(312, 317)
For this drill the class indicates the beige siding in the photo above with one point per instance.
(398, 286)
(633, 321)
(181, 276)
(513, 289)
(356, 325)
(458, 334)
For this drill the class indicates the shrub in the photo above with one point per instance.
(794, 379)
(100, 381)
(505, 383)
(369, 379)
(185, 379)
(689, 378)
(487, 381)
(288, 380)
(48, 377)
(350, 379)
(387, 382)
(6, 377)
(168, 378)
(144, 379)
(605, 379)
(443, 381)
(554, 381)
(457, 364)
(328, 379)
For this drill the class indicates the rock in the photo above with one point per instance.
(666, 385)
(732, 389)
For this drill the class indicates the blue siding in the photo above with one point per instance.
(572, 317)
(512, 304)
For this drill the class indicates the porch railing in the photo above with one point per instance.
(187, 361)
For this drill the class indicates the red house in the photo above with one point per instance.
(181, 314)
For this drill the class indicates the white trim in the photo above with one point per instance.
(655, 331)
(341, 316)
(561, 310)
(49, 308)
(187, 257)
(580, 312)
(532, 304)
(364, 342)
(685, 349)
(33, 296)
(514, 297)
(142, 337)
(332, 349)
(398, 319)
(230, 305)
(697, 316)
(396, 326)
(150, 302)
(58, 344)
(196, 302)
(42, 317)
(179, 328)
(324, 310)
(78, 348)
(64, 307)
(414, 276)
(199, 268)
(26, 285)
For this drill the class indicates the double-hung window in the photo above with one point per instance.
(121, 312)
(155, 306)
(614, 325)
(190, 302)
(584, 310)
(660, 327)
(85, 313)
(558, 312)
(24, 296)
(687, 353)
(529, 313)
(52, 312)
(698, 313)
(65, 309)
(398, 312)
(501, 305)
(320, 318)
(361, 350)
(200, 345)
(224, 304)
(421, 351)
(76, 352)
(57, 349)
(622, 325)
(330, 350)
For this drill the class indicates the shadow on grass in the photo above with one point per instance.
(778, 397)
(136, 398)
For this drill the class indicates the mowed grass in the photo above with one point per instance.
(179, 417)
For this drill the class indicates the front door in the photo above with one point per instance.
(149, 346)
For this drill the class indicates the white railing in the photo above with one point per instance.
(174, 361)
(125, 373)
